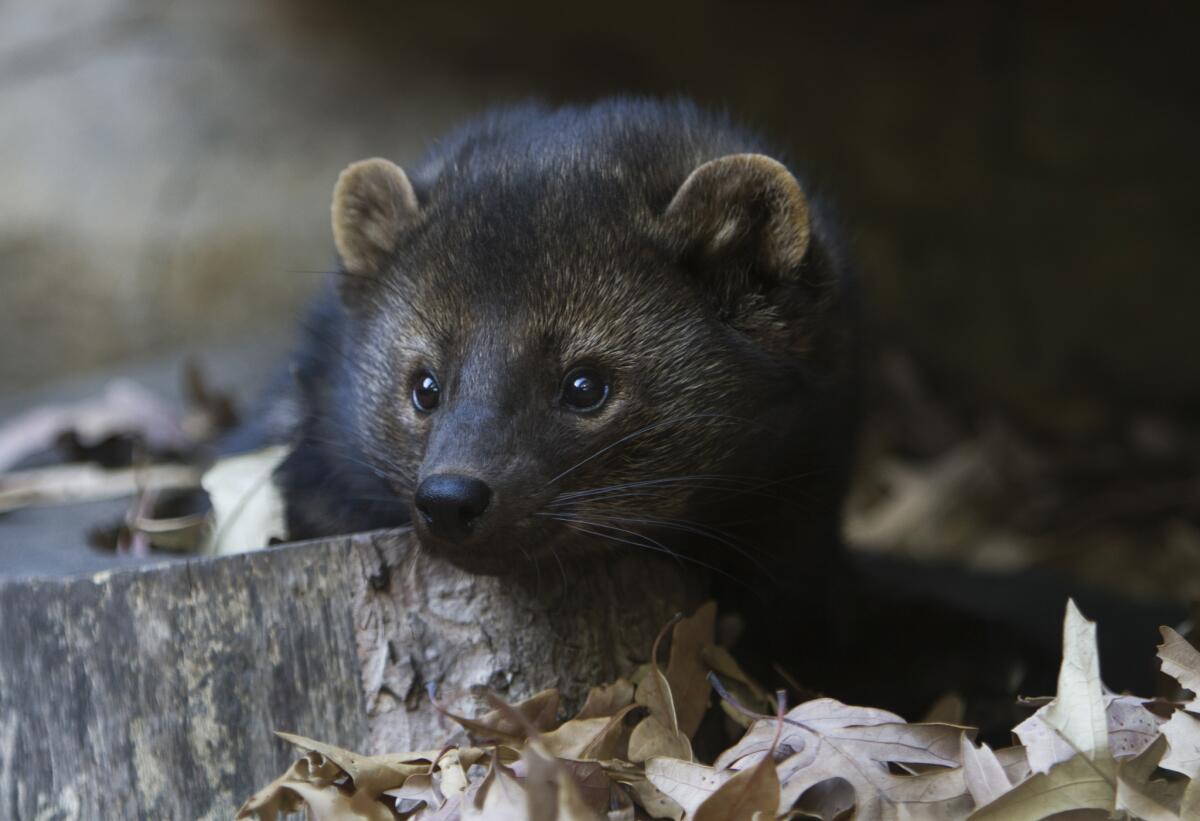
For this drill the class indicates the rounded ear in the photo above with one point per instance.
(742, 215)
(373, 203)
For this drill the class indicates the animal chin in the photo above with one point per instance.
(476, 559)
(505, 552)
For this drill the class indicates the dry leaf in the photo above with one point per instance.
(1131, 729)
(371, 774)
(1077, 711)
(1076, 720)
(68, 484)
(654, 801)
(539, 711)
(419, 788)
(1189, 805)
(248, 510)
(560, 790)
(651, 738)
(600, 738)
(589, 783)
(984, 775)
(751, 793)
(607, 700)
(687, 672)
(830, 800)
(824, 759)
(312, 782)
(685, 783)
(1141, 797)
(858, 744)
(1072, 785)
(498, 797)
(1183, 737)
(861, 731)
(574, 736)
(1181, 662)
(124, 409)
(658, 734)
(740, 685)
(280, 797)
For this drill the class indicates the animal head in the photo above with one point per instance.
(562, 352)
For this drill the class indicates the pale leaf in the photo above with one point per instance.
(499, 797)
(1131, 729)
(1077, 711)
(1183, 737)
(1141, 797)
(1189, 805)
(539, 710)
(650, 738)
(654, 801)
(658, 734)
(654, 693)
(685, 783)
(824, 739)
(750, 792)
(739, 683)
(1072, 785)
(419, 787)
(247, 506)
(1181, 661)
(607, 700)
(687, 672)
(860, 732)
(984, 776)
(576, 735)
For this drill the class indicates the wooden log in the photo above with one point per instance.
(153, 693)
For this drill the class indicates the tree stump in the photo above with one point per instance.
(154, 693)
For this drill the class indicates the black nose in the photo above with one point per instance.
(451, 504)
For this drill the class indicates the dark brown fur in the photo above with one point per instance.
(661, 245)
(534, 240)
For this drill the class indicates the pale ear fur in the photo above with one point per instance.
(743, 205)
(373, 204)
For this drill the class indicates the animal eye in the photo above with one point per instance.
(584, 389)
(425, 392)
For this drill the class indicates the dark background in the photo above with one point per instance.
(1017, 183)
(1017, 179)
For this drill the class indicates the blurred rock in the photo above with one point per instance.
(169, 167)
(1018, 182)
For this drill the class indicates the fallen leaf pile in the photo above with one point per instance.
(627, 754)
(130, 443)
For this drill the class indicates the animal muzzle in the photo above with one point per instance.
(451, 505)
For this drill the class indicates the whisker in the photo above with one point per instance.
(640, 432)
(741, 486)
(683, 526)
(342, 449)
(584, 526)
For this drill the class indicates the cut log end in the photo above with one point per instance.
(156, 692)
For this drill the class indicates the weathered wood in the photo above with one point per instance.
(154, 693)
(573, 627)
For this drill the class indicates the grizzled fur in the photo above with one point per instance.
(538, 239)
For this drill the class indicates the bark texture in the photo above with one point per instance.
(154, 693)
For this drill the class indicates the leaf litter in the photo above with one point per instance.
(627, 754)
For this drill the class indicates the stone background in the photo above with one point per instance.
(1018, 180)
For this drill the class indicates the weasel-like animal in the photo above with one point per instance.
(571, 329)
(627, 326)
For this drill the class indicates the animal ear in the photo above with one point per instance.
(373, 203)
(742, 217)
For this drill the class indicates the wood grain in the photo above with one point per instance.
(154, 693)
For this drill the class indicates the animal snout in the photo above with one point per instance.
(451, 504)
